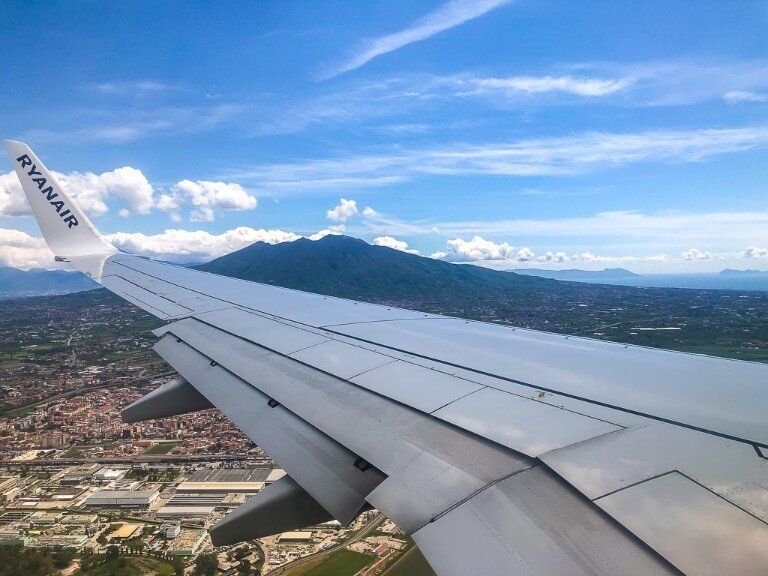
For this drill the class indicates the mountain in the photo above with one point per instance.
(351, 268)
(576, 275)
(730, 272)
(16, 283)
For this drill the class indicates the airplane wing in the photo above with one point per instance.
(501, 450)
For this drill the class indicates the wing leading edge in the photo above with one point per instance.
(503, 451)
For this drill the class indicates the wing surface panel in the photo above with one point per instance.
(532, 523)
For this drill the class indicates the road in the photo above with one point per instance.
(167, 458)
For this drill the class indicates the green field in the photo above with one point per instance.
(131, 567)
(161, 448)
(341, 563)
(411, 564)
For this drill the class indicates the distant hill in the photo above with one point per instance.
(16, 283)
(351, 268)
(576, 275)
(731, 272)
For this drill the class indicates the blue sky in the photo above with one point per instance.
(509, 134)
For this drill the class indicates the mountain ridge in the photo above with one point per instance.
(352, 268)
(16, 283)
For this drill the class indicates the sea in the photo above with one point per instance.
(756, 282)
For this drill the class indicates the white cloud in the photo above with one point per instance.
(131, 123)
(370, 213)
(394, 243)
(185, 245)
(502, 254)
(590, 257)
(330, 231)
(206, 197)
(478, 248)
(12, 199)
(20, 250)
(126, 183)
(585, 86)
(134, 88)
(168, 203)
(557, 156)
(446, 16)
(343, 211)
(736, 96)
(91, 191)
(707, 230)
(556, 257)
(753, 252)
(525, 255)
(696, 254)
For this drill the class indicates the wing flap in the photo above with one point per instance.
(696, 530)
(319, 464)
(532, 523)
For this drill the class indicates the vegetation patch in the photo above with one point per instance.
(343, 562)
(161, 448)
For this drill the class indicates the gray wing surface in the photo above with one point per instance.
(501, 450)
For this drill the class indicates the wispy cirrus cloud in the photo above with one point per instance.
(737, 96)
(389, 105)
(445, 17)
(554, 156)
(580, 86)
(709, 230)
(120, 125)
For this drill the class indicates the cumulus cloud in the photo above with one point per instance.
(737, 96)
(343, 211)
(185, 245)
(478, 248)
(206, 197)
(91, 191)
(550, 256)
(12, 200)
(20, 250)
(394, 243)
(444, 17)
(753, 252)
(371, 213)
(330, 231)
(696, 254)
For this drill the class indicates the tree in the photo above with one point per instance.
(178, 566)
(245, 566)
(206, 565)
(63, 558)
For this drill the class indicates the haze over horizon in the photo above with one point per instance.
(505, 134)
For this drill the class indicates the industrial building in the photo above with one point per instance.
(173, 512)
(226, 481)
(121, 499)
(170, 531)
(59, 541)
(295, 536)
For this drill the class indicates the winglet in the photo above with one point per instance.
(65, 227)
